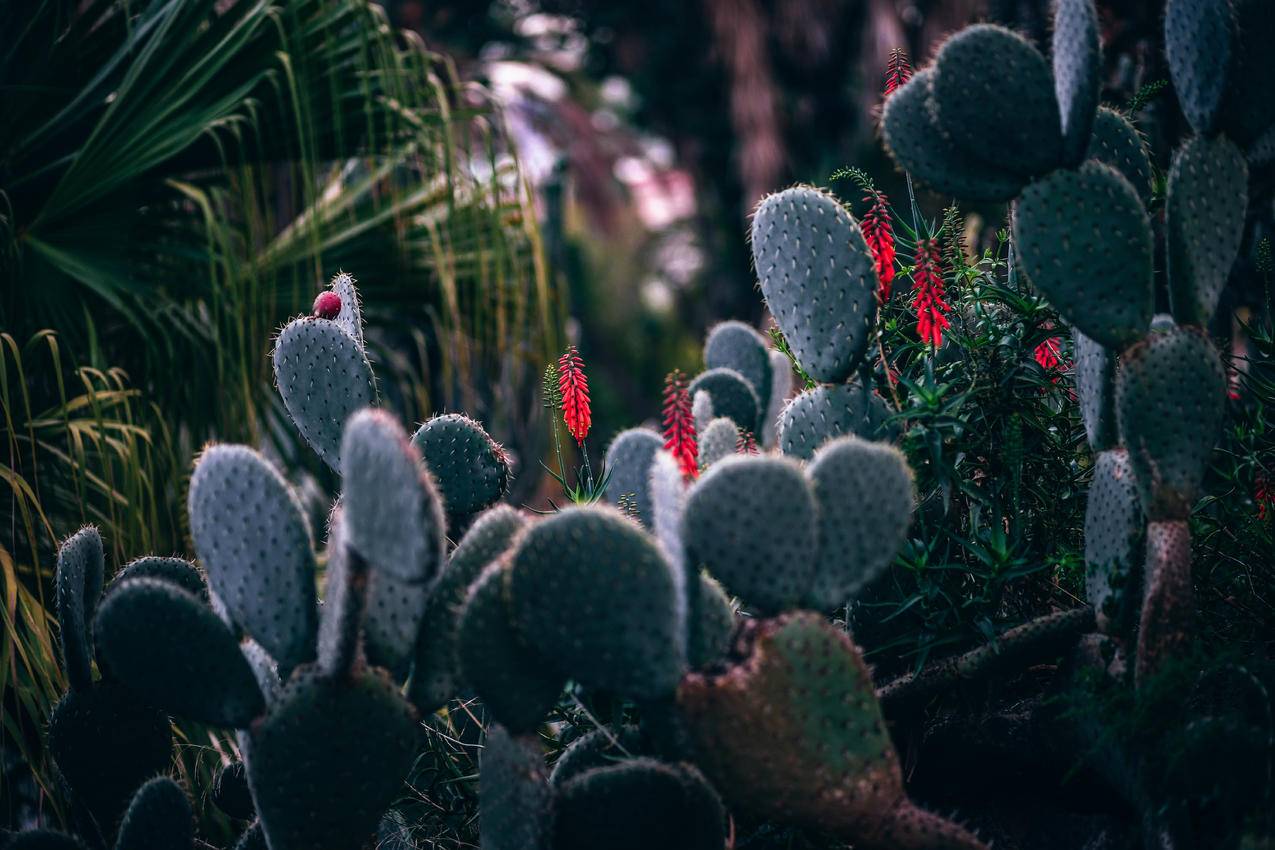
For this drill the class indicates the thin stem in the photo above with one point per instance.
(588, 472)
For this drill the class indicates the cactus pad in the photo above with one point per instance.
(1170, 397)
(159, 818)
(717, 441)
(1077, 57)
(1095, 377)
(751, 521)
(1113, 537)
(328, 759)
(1099, 275)
(595, 596)
(865, 499)
(197, 671)
(818, 415)
(780, 741)
(819, 280)
(629, 460)
(230, 792)
(1205, 206)
(701, 409)
(1116, 142)
(350, 319)
(515, 684)
(177, 571)
(1248, 109)
(993, 95)
(920, 148)
(600, 747)
(469, 467)
(81, 564)
(735, 345)
(639, 804)
(392, 512)
(515, 801)
(253, 539)
(668, 500)
(733, 396)
(1168, 599)
(713, 627)
(324, 377)
(1199, 41)
(436, 674)
(105, 744)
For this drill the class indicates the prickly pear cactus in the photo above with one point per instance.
(1167, 599)
(158, 818)
(735, 345)
(597, 599)
(828, 411)
(79, 584)
(865, 498)
(751, 521)
(628, 459)
(819, 280)
(1199, 38)
(1113, 542)
(1170, 396)
(777, 741)
(514, 797)
(717, 441)
(1112, 302)
(1077, 59)
(993, 96)
(1117, 143)
(732, 395)
(1095, 377)
(470, 468)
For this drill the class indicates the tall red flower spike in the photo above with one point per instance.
(927, 283)
(679, 424)
(746, 443)
(878, 232)
(898, 72)
(575, 394)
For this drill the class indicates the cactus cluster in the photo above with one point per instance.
(1151, 392)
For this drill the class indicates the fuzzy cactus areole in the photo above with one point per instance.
(327, 305)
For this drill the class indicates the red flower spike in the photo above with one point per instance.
(746, 443)
(927, 283)
(679, 424)
(1264, 496)
(327, 305)
(1046, 354)
(575, 394)
(898, 72)
(878, 232)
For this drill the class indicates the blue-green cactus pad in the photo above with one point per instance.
(733, 396)
(159, 818)
(81, 564)
(468, 466)
(1077, 57)
(515, 800)
(828, 411)
(628, 460)
(735, 345)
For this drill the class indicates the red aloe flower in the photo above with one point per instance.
(927, 283)
(746, 443)
(898, 72)
(575, 394)
(679, 424)
(1046, 354)
(878, 232)
(1263, 495)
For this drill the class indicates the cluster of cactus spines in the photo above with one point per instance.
(751, 521)
(717, 441)
(104, 741)
(733, 396)
(777, 740)
(323, 375)
(829, 411)
(865, 496)
(469, 467)
(250, 531)
(628, 460)
(1117, 143)
(597, 600)
(818, 278)
(735, 345)
(1077, 63)
(1204, 217)
(436, 674)
(1099, 277)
